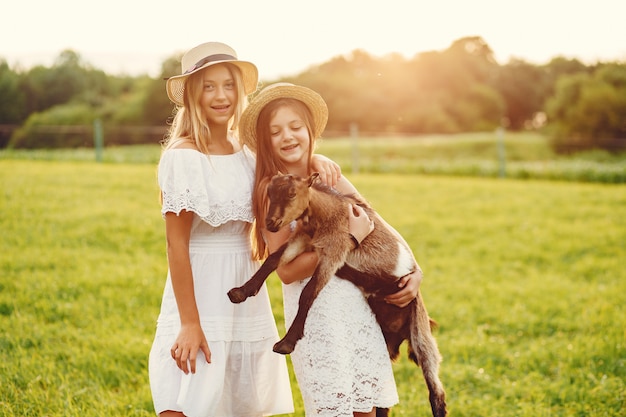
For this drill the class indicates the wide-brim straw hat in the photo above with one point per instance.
(203, 56)
(316, 104)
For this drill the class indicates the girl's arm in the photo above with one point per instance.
(191, 337)
(329, 170)
(409, 285)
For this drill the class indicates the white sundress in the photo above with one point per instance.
(245, 377)
(342, 364)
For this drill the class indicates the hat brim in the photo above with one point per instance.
(175, 85)
(249, 118)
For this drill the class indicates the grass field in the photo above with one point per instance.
(526, 279)
(519, 155)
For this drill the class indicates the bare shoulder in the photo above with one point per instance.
(183, 144)
(344, 186)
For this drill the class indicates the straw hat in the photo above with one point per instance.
(315, 103)
(203, 56)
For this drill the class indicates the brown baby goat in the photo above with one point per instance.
(375, 267)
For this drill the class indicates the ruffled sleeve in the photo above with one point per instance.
(217, 188)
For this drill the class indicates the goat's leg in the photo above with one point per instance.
(364, 280)
(425, 348)
(394, 323)
(284, 254)
(296, 330)
(318, 280)
(381, 283)
(253, 285)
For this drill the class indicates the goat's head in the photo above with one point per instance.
(289, 199)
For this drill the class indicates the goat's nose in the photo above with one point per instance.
(272, 224)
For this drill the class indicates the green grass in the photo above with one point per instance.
(525, 278)
(512, 155)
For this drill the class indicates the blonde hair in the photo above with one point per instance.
(268, 164)
(190, 122)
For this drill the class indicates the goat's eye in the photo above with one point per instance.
(291, 194)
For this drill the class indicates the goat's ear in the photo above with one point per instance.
(313, 177)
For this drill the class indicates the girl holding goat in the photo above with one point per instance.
(342, 364)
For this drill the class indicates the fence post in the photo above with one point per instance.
(354, 135)
(98, 139)
(501, 152)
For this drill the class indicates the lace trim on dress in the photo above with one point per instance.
(214, 214)
(217, 188)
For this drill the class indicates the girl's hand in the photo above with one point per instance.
(185, 349)
(409, 287)
(329, 171)
(360, 225)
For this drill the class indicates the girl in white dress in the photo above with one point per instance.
(341, 363)
(210, 357)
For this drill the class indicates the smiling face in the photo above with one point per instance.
(290, 138)
(218, 96)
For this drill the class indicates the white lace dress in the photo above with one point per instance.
(245, 377)
(341, 363)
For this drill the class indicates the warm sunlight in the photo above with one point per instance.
(284, 37)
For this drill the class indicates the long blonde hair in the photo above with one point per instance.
(190, 122)
(268, 164)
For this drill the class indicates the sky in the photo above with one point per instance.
(285, 37)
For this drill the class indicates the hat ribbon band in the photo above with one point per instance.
(210, 58)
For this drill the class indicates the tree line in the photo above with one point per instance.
(459, 89)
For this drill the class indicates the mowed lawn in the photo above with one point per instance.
(525, 278)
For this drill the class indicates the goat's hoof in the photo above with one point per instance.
(382, 412)
(439, 407)
(283, 347)
(236, 295)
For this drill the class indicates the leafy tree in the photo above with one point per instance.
(460, 82)
(447, 91)
(459, 89)
(11, 101)
(124, 116)
(560, 66)
(524, 89)
(157, 107)
(341, 82)
(480, 110)
(47, 87)
(589, 111)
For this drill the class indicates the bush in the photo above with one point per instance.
(63, 126)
